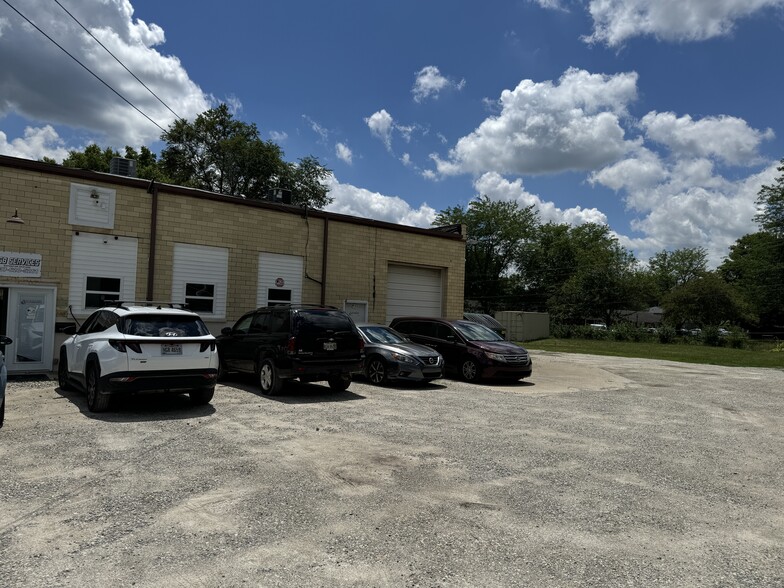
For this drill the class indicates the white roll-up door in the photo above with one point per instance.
(413, 291)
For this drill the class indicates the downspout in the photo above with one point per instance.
(324, 262)
(152, 189)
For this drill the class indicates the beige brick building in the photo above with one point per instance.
(88, 236)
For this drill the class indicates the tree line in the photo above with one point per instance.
(218, 153)
(581, 273)
(513, 260)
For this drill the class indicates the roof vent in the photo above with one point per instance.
(122, 167)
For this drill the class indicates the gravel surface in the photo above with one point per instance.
(596, 472)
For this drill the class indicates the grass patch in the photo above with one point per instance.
(759, 354)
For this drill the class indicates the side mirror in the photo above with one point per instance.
(5, 340)
(226, 331)
(69, 330)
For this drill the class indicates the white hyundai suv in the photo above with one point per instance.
(126, 348)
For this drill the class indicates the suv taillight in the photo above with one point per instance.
(291, 347)
(361, 344)
(123, 346)
(207, 345)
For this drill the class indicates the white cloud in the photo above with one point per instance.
(363, 203)
(36, 144)
(343, 153)
(430, 83)
(727, 138)
(317, 128)
(615, 21)
(574, 124)
(278, 136)
(34, 68)
(685, 203)
(406, 159)
(381, 124)
(497, 187)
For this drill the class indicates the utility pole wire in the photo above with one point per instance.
(123, 98)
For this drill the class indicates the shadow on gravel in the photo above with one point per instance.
(293, 392)
(141, 407)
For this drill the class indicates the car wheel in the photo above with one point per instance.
(469, 370)
(96, 401)
(268, 378)
(376, 371)
(62, 372)
(201, 396)
(340, 383)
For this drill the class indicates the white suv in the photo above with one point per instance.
(125, 349)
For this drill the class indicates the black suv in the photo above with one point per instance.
(284, 342)
(471, 350)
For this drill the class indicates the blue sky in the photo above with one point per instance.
(661, 119)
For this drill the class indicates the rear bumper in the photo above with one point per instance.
(321, 370)
(129, 382)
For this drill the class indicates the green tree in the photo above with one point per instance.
(707, 300)
(496, 231)
(770, 201)
(671, 269)
(602, 281)
(93, 158)
(755, 267)
(218, 153)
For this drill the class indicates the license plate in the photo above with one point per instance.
(171, 349)
(330, 346)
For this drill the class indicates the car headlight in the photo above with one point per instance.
(403, 358)
(496, 357)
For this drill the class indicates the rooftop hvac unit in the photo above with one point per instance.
(279, 195)
(122, 167)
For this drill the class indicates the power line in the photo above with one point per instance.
(116, 59)
(31, 23)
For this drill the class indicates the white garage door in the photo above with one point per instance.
(413, 291)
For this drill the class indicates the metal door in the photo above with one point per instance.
(31, 314)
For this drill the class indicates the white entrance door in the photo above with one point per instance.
(31, 315)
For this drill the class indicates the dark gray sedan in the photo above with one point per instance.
(390, 356)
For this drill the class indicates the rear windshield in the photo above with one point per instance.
(157, 325)
(323, 320)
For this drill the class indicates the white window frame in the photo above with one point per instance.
(88, 292)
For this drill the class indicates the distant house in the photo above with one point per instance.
(643, 318)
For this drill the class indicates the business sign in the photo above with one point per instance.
(20, 265)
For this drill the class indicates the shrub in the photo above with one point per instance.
(710, 336)
(666, 334)
(737, 339)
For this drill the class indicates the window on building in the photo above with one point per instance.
(99, 290)
(200, 297)
(276, 296)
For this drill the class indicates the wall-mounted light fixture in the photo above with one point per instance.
(16, 219)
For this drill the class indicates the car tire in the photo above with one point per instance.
(96, 401)
(340, 383)
(469, 369)
(201, 396)
(376, 371)
(269, 381)
(62, 372)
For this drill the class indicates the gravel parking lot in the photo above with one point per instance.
(597, 472)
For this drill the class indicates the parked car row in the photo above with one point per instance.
(153, 347)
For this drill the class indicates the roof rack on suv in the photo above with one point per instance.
(156, 303)
(301, 306)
